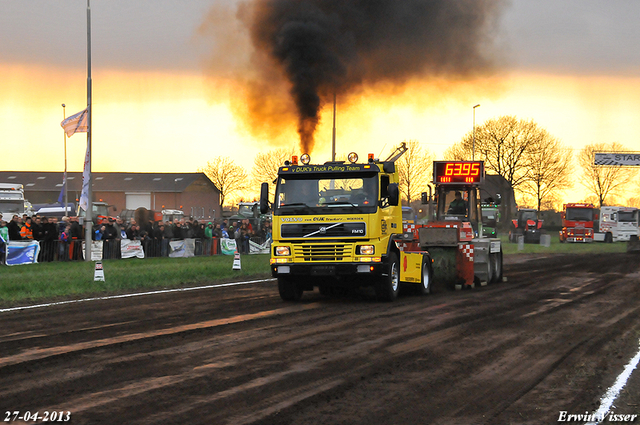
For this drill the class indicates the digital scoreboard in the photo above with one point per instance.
(458, 172)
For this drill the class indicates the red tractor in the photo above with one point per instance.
(526, 225)
(461, 255)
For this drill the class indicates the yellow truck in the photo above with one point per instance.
(339, 225)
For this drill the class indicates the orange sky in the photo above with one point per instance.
(159, 118)
(179, 122)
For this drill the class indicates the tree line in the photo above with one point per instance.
(536, 164)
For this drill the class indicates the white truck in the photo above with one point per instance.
(12, 200)
(617, 224)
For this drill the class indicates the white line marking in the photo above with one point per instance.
(136, 294)
(612, 393)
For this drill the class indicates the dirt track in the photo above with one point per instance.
(553, 338)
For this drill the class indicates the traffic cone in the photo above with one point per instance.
(236, 261)
(98, 275)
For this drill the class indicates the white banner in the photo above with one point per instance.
(131, 249)
(96, 250)
(255, 248)
(84, 196)
(181, 249)
(228, 246)
(626, 159)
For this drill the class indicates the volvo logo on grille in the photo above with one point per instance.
(323, 230)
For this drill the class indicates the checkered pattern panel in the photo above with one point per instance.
(409, 228)
(467, 251)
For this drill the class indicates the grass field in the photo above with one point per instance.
(60, 280)
(556, 247)
(53, 281)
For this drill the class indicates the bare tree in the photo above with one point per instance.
(457, 152)
(266, 164)
(548, 169)
(604, 181)
(226, 176)
(634, 201)
(415, 168)
(505, 145)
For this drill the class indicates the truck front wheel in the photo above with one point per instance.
(387, 287)
(289, 289)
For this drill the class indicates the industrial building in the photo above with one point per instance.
(193, 193)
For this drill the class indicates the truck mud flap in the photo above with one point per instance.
(633, 246)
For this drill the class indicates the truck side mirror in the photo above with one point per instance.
(264, 198)
(498, 199)
(389, 167)
(394, 194)
(424, 198)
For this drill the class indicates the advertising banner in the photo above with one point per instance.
(617, 159)
(255, 248)
(228, 246)
(131, 249)
(182, 249)
(22, 252)
(96, 250)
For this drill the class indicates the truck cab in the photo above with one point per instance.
(617, 224)
(577, 223)
(339, 225)
(12, 200)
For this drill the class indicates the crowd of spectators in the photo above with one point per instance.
(62, 239)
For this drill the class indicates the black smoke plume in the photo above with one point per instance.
(322, 46)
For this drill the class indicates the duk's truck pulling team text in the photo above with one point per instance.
(339, 225)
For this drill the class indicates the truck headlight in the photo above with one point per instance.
(282, 251)
(365, 250)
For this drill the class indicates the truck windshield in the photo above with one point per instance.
(12, 207)
(96, 210)
(628, 216)
(579, 214)
(322, 194)
(246, 210)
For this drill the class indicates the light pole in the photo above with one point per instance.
(66, 200)
(175, 192)
(333, 135)
(473, 150)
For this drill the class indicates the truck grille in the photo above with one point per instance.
(333, 252)
(323, 230)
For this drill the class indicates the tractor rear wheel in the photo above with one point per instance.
(497, 267)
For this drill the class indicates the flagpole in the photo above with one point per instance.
(66, 197)
(88, 219)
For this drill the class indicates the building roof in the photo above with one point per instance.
(104, 182)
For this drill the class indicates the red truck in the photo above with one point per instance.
(577, 223)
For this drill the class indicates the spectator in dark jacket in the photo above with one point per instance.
(36, 229)
(14, 229)
(111, 240)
